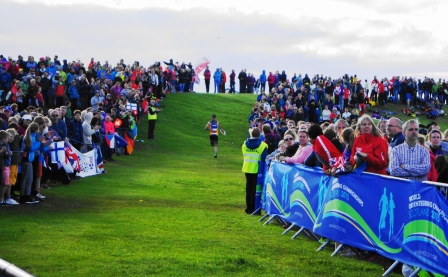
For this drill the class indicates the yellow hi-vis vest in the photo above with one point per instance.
(252, 157)
(152, 116)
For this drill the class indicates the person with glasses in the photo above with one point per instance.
(394, 132)
(303, 151)
(369, 146)
(291, 145)
(58, 125)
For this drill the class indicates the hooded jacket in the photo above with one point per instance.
(87, 130)
(254, 143)
(263, 77)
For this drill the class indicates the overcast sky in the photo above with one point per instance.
(329, 37)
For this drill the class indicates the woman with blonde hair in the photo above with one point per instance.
(369, 146)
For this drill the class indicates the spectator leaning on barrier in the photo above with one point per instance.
(304, 150)
(410, 160)
(254, 150)
(435, 149)
(323, 148)
(370, 146)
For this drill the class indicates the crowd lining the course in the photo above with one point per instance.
(323, 122)
(315, 121)
(49, 100)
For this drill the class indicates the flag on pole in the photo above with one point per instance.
(199, 68)
(110, 140)
(129, 139)
(99, 160)
(73, 157)
(119, 141)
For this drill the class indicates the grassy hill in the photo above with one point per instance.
(169, 209)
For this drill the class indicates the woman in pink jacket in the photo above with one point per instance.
(302, 152)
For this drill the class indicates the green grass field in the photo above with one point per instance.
(169, 209)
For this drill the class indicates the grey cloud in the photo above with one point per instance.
(231, 40)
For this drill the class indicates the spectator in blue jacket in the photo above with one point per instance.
(73, 94)
(217, 79)
(97, 99)
(263, 80)
(58, 125)
(5, 80)
(75, 131)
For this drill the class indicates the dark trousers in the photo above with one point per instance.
(207, 85)
(74, 103)
(59, 101)
(232, 87)
(151, 127)
(242, 87)
(251, 188)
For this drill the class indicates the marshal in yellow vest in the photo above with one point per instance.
(252, 157)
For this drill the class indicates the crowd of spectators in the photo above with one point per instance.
(292, 108)
(49, 100)
(340, 141)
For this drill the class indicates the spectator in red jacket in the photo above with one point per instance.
(370, 146)
(207, 76)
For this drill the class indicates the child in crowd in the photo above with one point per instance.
(29, 147)
(342, 164)
(16, 159)
(5, 162)
(271, 157)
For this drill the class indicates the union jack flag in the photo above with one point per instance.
(340, 164)
(72, 154)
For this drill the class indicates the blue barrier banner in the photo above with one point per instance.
(399, 219)
(259, 188)
(294, 193)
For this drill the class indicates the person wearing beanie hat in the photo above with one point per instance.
(213, 128)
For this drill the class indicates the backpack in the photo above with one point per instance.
(272, 142)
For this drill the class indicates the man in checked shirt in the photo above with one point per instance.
(410, 160)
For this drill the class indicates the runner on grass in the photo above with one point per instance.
(213, 127)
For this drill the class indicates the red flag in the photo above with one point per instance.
(201, 66)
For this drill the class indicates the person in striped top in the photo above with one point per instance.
(213, 128)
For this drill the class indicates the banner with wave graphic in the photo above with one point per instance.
(399, 219)
(294, 193)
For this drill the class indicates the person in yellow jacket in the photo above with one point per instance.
(254, 150)
(152, 118)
